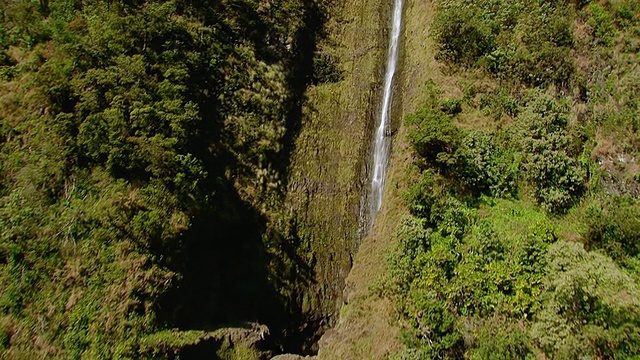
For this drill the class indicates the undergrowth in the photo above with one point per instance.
(522, 239)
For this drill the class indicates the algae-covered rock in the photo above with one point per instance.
(232, 343)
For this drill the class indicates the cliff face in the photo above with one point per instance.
(368, 324)
(214, 156)
(329, 165)
(366, 328)
(170, 167)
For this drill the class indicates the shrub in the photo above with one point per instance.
(419, 268)
(325, 69)
(433, 329)
(591, 307)
(526, 41)
(485, 167)
(433, 135)
(413, 237)
(423, 195)
(496, 104)
(451, 106)
(614, 225)
(408, 354)
(558, 179)
(542, 64)
(452, 217)
(462, 35)
(601, 23)
(505, 342)
(625, 15)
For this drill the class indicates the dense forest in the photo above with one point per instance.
(523, 239)
(143, 149)
(147, 173)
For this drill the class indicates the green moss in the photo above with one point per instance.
(326, 172)
(237, 352)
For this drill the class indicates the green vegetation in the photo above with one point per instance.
(142, 170)
(522, 237)
(168, 168)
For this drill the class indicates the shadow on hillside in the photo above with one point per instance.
(228, 276)
(235, 266)
(302, 75)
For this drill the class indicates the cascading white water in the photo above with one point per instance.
(382, 140)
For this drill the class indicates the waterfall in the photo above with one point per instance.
(382, 139)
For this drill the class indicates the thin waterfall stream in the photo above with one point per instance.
(382, 136)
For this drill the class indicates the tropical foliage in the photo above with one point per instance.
(140, 140)
(522, 238)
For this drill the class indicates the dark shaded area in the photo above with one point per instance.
(203, 350)
(302, 75)
(154, 120)
(235, 265)
(224, 268)
(230, 277)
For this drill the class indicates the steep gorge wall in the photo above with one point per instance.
(367, 327)
(328, 172)
(227, 262)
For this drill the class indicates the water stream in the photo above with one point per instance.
(383, 132)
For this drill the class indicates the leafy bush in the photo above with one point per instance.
(423, 195)
(529, 41)
(541, 64)
(625, 14)
(452, 217)
(461, 34)
(420, 250)
(475, 161)
(326, 70)
(485, 167)
(591, 307)
(5, 337)
(433, 325)
(601, 23)
(498, 103)
(557, 178)
(414, 239)
(451, 106)
(454, 267)
(434, 136)
(501, 341)
(614, 226)
(408, 354)
(544, 55)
